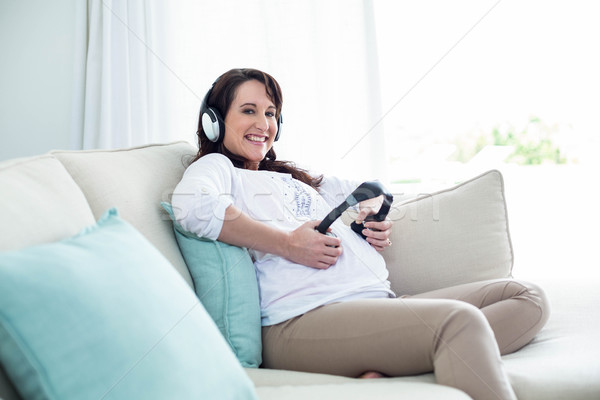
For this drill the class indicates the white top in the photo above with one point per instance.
(212, 183)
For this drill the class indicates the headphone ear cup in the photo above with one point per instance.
(279, 124)
(213, 125)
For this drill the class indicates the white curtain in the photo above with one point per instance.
(119, 75)
(149, 63)
(324, 55)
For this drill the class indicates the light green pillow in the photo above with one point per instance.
(103, 315)
(225, 283)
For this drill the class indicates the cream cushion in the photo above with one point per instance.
(380, 389)
(563, 361)
(453, 236)
(40, 203)
(135, 181)
(291, 385)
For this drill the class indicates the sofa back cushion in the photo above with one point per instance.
(454, 236)
(135, 181)
(40, 203)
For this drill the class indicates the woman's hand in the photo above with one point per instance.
(377, 232)
(304, 245)
(308, 247)
(369, 207)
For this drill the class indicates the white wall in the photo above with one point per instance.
(37, 51)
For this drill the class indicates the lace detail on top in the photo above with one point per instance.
(299, 199)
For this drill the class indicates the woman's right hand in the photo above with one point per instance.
(308, 247)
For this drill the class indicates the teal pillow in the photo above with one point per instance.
(103, 315)
(225, 283)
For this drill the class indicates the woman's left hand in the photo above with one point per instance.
(377, 232)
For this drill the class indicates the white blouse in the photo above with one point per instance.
(212, 183)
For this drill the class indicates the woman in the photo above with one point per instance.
(326, 302)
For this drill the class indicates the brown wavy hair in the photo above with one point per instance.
(222, 95)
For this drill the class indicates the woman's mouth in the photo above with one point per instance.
(256, 138)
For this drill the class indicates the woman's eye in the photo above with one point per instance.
(248, 111)
(270, 114)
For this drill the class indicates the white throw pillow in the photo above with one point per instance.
(457, 235)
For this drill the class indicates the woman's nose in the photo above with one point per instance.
(262, 123)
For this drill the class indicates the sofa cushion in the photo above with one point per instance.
(380, 389)
(103, 315)
(563, 361)
(225, 282)
(40, 203)
(453, 236)
(291, 385)
(134, 180)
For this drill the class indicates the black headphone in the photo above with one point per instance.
(213, 124)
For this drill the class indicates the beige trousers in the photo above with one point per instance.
(457, 332)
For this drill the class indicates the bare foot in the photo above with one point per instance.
(370, 375)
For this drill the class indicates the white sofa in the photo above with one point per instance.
(456, 235)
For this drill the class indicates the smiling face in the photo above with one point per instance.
(251, 123)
